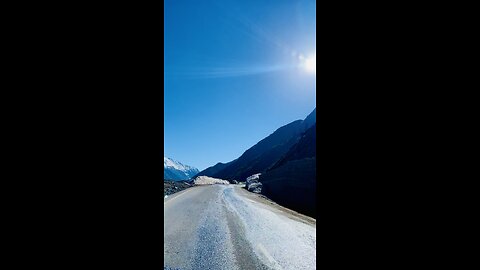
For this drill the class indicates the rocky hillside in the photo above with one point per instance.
(170, 187)
(283, 166)
(292, 181)
(265, 154)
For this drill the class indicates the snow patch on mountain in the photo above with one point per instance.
(205, 180)
(174, 170)
(170, 163)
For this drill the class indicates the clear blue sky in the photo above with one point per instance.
(235, 71)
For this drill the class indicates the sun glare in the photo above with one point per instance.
(310, 64)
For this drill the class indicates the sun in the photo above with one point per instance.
(310, 64)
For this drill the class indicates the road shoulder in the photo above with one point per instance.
(274, 207)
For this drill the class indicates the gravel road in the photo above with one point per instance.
(227, 227)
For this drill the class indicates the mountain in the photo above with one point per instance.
(213, 169)
(286, 160)
(292, 181)
(174, 170)
(264, 154)
(304, 148)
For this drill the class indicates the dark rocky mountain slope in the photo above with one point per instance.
(292, 181)
(264, 154)
(213, 169)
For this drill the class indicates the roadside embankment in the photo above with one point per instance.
(170, 187)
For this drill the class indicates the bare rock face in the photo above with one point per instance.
(253, 185)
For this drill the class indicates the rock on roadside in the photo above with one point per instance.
(252, 183)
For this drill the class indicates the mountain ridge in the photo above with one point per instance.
(264, 154)
(175, 170)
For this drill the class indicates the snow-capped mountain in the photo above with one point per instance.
(174, 170)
